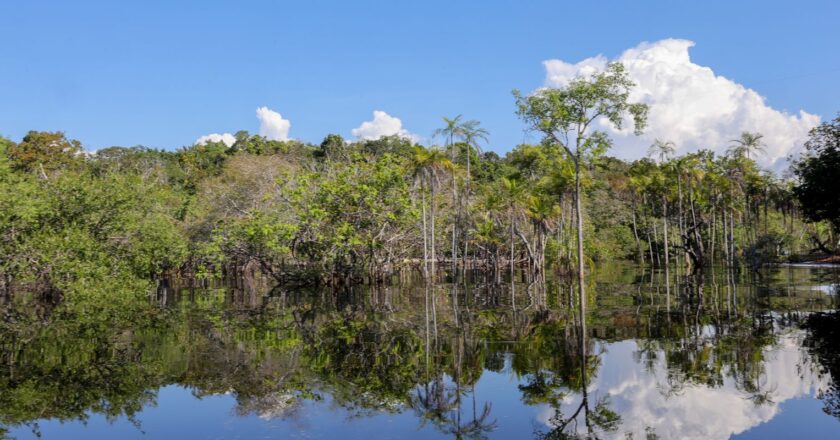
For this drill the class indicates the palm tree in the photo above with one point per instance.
(471, 134)
(746, 144)
(452, 128)
(663, 149)
(541, 209)
(513, 192)
(427, 165)
(688, 168)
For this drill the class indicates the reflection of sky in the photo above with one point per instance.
(828, 289)
(634, 393)
(696, 411)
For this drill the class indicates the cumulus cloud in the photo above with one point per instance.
(226, 138)
(640, 394)
(272, 124)
(382, 124)
(690, 104)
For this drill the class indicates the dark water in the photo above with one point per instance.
(729, 355)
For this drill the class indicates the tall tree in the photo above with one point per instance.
(451, 129)
(513, 192)
(429, 164)
(471, 133)
(565, 116)
(747, 144)
(663, 150)
(817, 172)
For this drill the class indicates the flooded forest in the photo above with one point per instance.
(384, 288)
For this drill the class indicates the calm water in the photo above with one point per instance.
(729, 355)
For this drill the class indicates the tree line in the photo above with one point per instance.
(344, 211)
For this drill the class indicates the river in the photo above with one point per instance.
(725, 355)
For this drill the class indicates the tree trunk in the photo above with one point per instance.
(656, 237)
(511, 245)
(425, 236)
(636, 235)
(712, 239)
(725, 238)
(454, 204)
(665, 228)
(732, 237)
(432, 221)
(581, 274)
(681, 223)
(466, 228)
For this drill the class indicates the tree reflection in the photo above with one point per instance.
(580, 368)
(823, 341)
(421, 349)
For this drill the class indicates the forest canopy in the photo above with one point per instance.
(361, 210)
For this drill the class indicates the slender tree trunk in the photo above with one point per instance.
(454, 251)
(636, 235)
(455, 211)
(543, 238)
(724, 240)
(665, 228)
(425, 237)
(765, 211)
(712, 239)
(497, 266)
(732, 237)
(581, 274)
(432, 221)
(511, 245)
(469, 153)
(650, 247)
(681, 222)
(466, 227)
(698, 236)
(656, 237)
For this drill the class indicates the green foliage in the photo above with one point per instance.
(563, 115)
(817, 172)
(70, 219)
(80, 233)
(348, 216)
(44, 152)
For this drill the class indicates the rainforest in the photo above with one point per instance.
(395, 286)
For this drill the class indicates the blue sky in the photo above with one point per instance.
(161, 74)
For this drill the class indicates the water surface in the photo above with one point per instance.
(722, 356)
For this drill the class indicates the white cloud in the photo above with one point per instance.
(226, 138)
(640, 396)
(382, 124)
(272, 124)
(691, 105)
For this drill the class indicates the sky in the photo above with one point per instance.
(168, 74)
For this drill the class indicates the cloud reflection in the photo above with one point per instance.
(647, 404)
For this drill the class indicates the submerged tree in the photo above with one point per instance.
(564, 116)
(427, 165)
